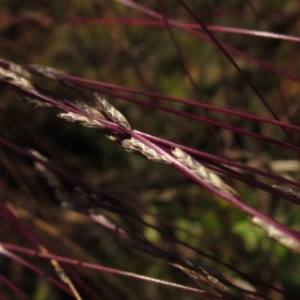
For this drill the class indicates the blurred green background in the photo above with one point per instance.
(88, 39)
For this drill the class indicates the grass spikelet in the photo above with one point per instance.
(285, 240)
(83, 120)
(288, 190)
(46, 71)
(34, 101)
(16, 80)
(19, 70)
(133, 145)
(202, 172)
(112, 113)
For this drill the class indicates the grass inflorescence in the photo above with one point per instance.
(204, 201)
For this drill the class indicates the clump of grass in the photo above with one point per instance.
(209, 210)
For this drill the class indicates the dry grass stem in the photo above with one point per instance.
(62, 274)
(205, 277)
